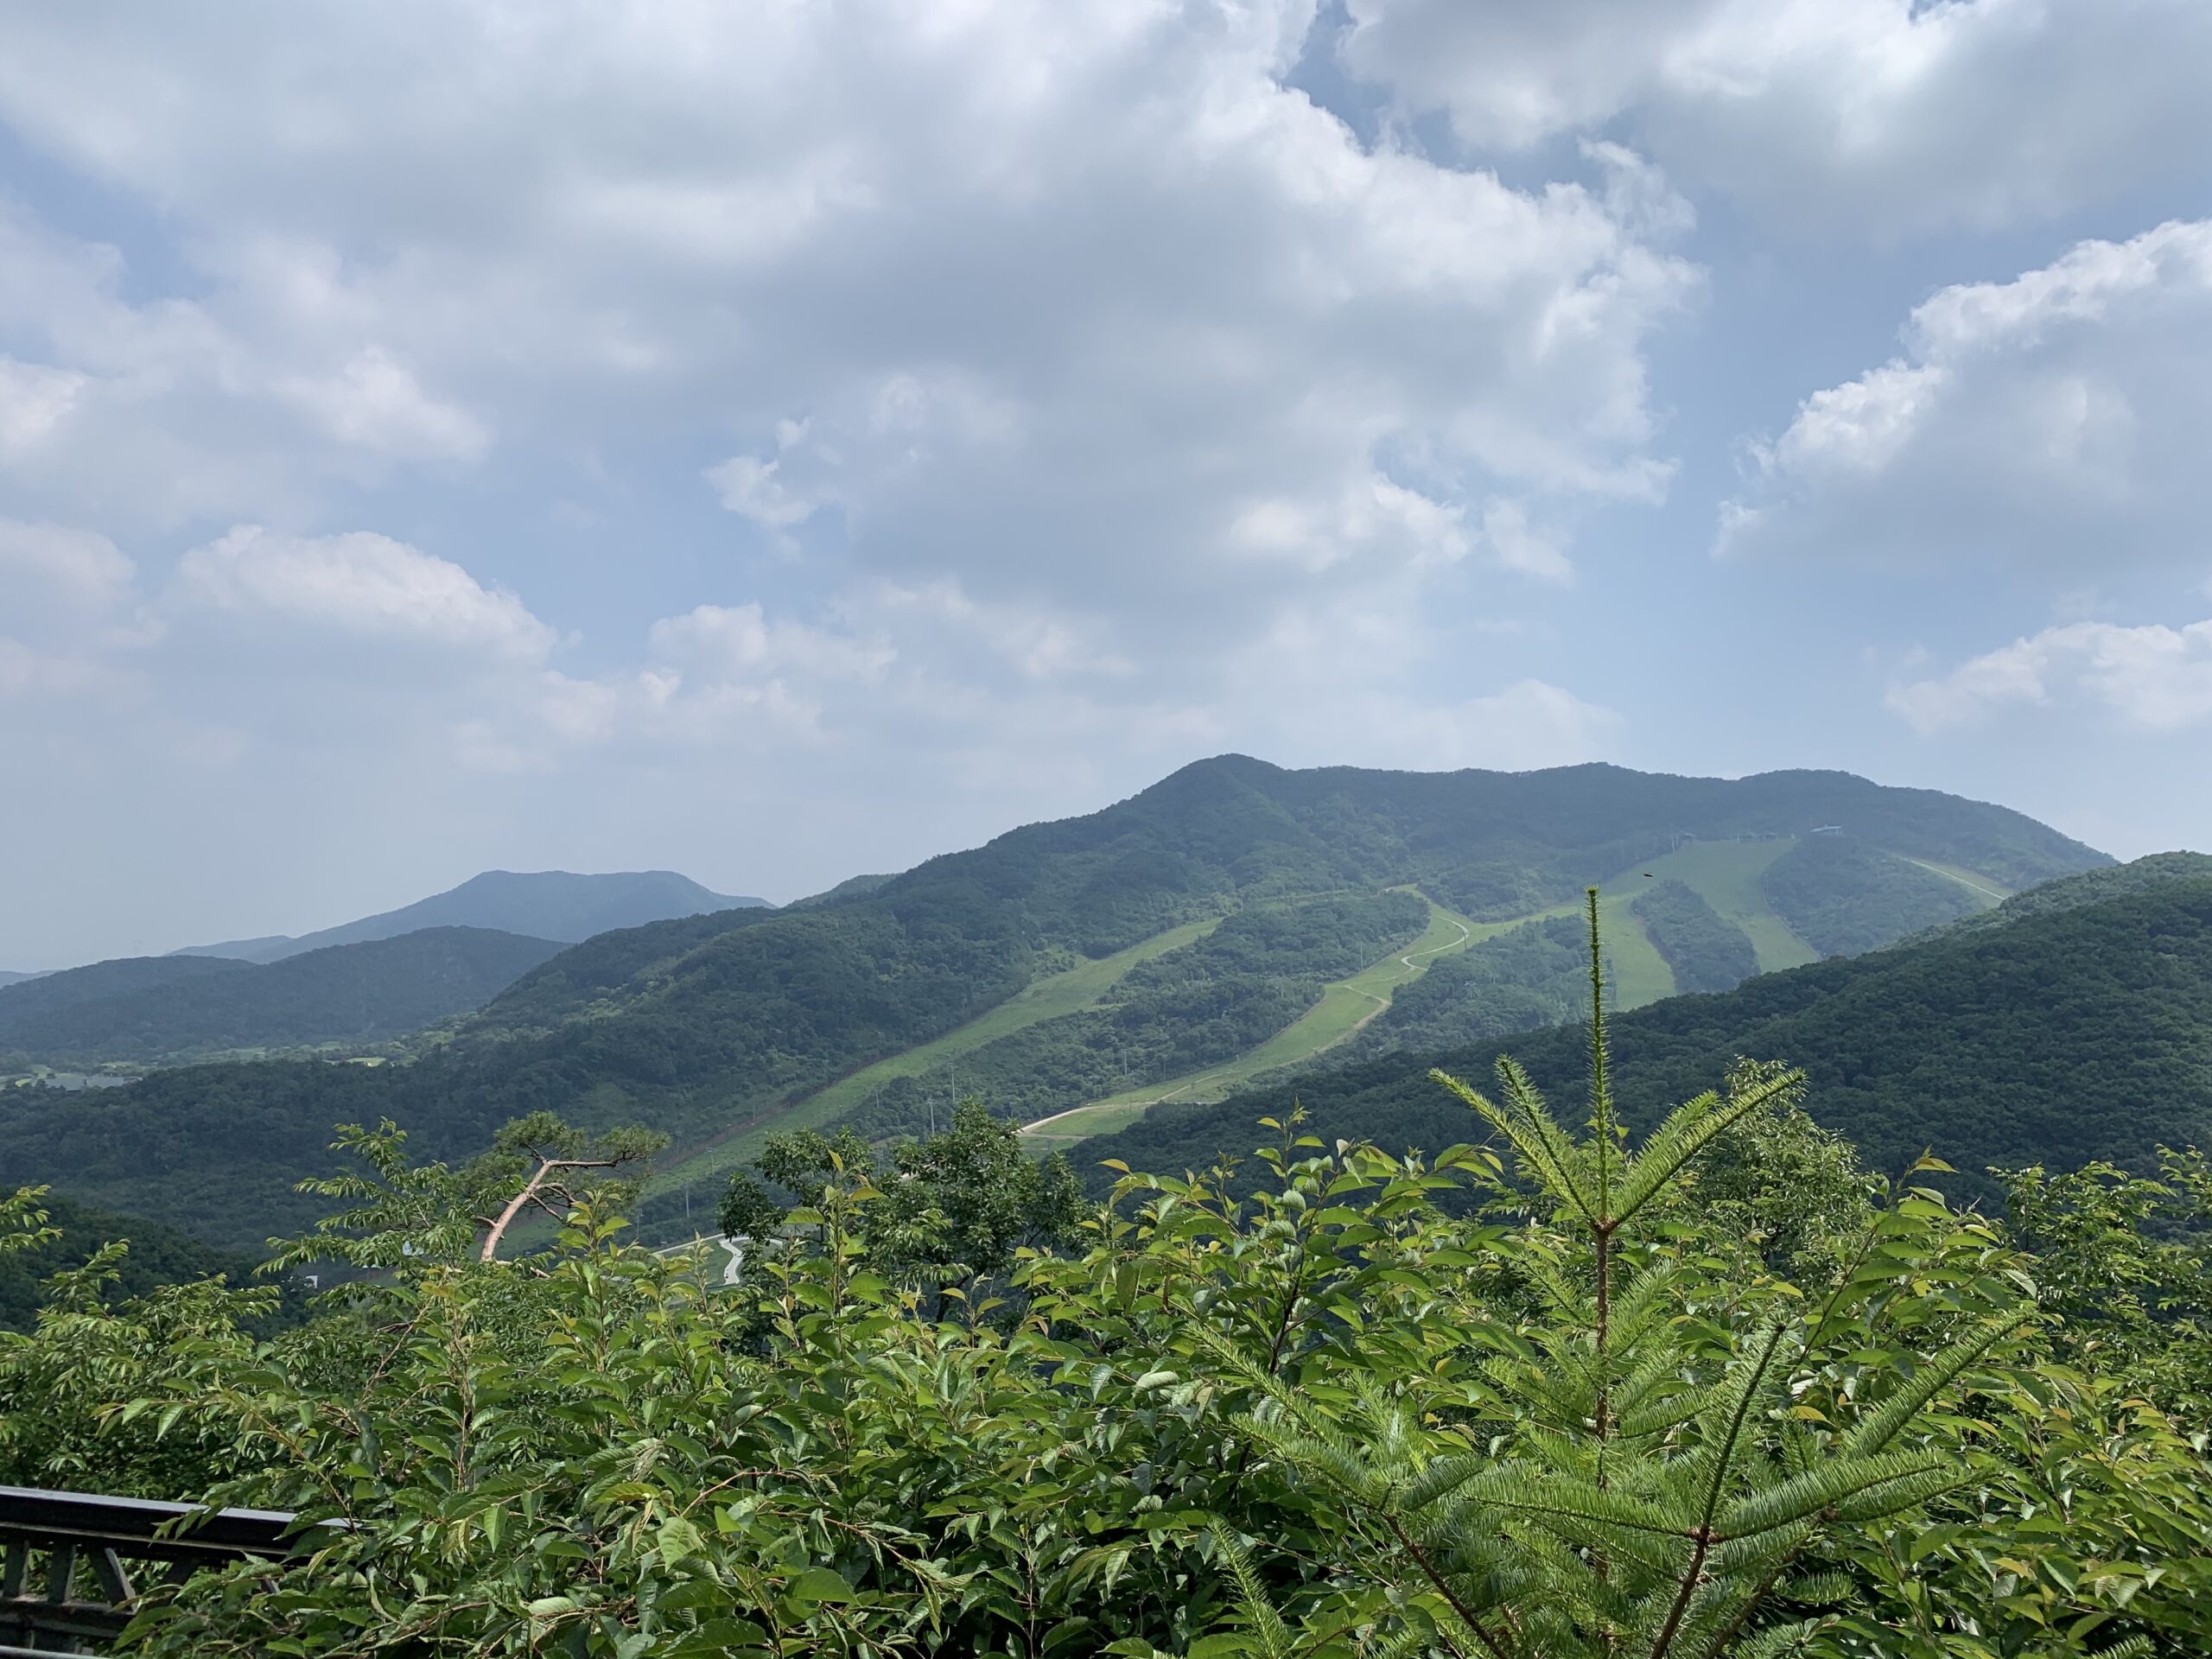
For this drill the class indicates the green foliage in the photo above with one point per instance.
(397, 1212)
(1707, 953)
(354, 994)
(1367, 1406)
(950, 1209)
(1206, 1002)
(71, 1233)
(1842, 895)
(1522, 979)
(2128, 1270)
(2068, 1037)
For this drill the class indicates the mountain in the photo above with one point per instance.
(8, 977)
(543, 904)
(57, 994)
(1234, 917)
(2074, 1022)
(157, 1255)
(851, 887)
(151, 1008)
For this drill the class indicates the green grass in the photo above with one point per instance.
(1639, 973)
(1344, 1007)
(1725, 874)
(1069, 992)
(1980, 885)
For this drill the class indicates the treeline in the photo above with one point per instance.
(168, 1007)
(2071, 1034)
(1525, 978)
(154, 1257)
(1842, 896)
(1197, 1006)
(1705, 952)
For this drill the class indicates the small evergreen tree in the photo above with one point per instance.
(1628, 1471)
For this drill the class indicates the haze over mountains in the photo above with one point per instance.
(541, 905)
(1232, 920)
(152, 1009)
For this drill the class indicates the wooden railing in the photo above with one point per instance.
(72, 1564)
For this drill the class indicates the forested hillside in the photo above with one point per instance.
(1842, 895)
(720, 1025)
(155, 1255)
(1200, 1004)
(158, 1008)
(2075, 1031)
(1705, 952)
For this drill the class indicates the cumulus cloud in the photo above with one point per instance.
(1880, 116)
(2049, 421)
(1036, 393)
(81, 567)
(2152, 677)
(361, 584)
(1077, 276)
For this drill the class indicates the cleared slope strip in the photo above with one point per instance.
(1344, 1007)
(1725, 873)
(1069, 991)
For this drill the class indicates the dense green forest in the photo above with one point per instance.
(1712, 1390)
(1707, 953)
(2138, 876)
(61, 994)
(1842, 895)
(2074, 1033)
(703, 1026)
(1208, 1001)
(1520, 980)
(156, 1256)
(167, 1008)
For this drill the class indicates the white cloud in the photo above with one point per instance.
(197, 401)
(1852, 117)
(1101, 400)
(362, 584)
(375, 403)
(725, 641)
(81, 567)
(1047, 293)
(34, 401)
(2051, 422)
(2153, 678)
(25, 673)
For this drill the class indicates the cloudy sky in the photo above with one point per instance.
(776, 439)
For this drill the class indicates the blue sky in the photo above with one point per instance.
(779, 441)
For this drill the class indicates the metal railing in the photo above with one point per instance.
(72, 1564)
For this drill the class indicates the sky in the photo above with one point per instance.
(785, 440)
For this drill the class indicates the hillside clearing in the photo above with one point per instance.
(1344, 1007)
(1069, 991)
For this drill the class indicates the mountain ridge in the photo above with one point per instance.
(727, 1023)
(152, 1009)
(557, 905)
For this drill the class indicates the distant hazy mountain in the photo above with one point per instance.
(8, 977)
(541, 905)
(153, 1009)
